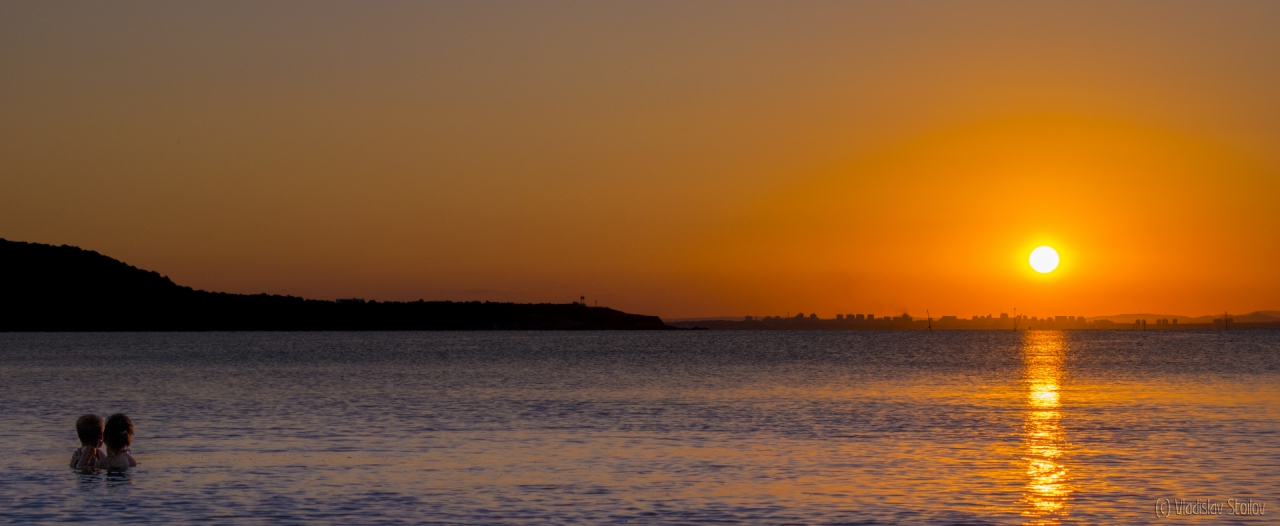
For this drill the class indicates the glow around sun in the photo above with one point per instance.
(1044, 259)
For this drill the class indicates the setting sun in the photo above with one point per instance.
(1044, 259)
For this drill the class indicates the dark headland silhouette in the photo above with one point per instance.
(65, 288)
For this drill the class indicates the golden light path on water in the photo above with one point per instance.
(1048, 490)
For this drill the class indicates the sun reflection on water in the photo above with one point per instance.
(1048, 490)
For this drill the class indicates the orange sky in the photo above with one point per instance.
(666, 158)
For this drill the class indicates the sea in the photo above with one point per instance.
(678, 427)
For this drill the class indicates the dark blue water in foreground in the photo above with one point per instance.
(1043, 427)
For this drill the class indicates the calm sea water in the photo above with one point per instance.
(633, 428)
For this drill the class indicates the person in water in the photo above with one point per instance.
(89, 429)
(117, 434)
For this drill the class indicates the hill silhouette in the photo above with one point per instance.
(66, 288)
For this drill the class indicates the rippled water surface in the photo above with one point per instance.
(1089, 427)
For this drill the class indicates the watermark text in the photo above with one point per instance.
(1189, 508)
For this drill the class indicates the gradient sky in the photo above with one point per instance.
(672, 158)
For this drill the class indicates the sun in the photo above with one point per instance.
(1044, 259)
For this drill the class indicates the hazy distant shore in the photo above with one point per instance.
(982, 324)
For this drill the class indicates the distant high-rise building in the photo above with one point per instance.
(860, 317)
(1004, 315)
(813, 316)
(870, 317)
(748, 318)
(839, 316)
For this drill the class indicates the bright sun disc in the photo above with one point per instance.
(1044, 259)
